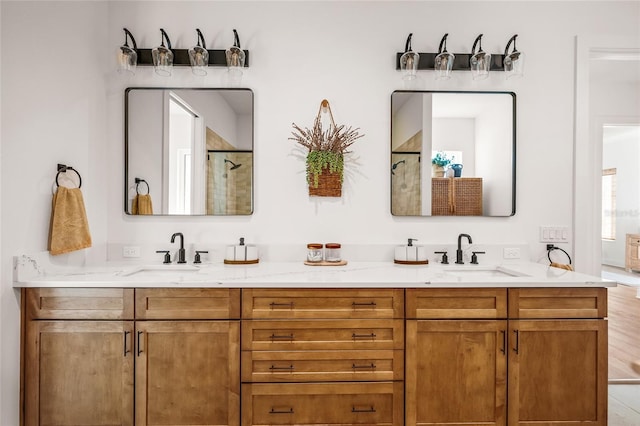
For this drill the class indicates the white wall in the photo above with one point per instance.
(69, 108)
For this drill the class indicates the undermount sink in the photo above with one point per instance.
(479, 271)
(161, 269)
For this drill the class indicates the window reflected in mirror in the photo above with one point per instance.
(452, 153)
(193, 146)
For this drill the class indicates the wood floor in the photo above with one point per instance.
(624, 331)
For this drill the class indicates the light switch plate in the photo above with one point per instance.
(554, 234)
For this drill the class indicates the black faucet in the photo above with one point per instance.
(181, 257)
(459, 251)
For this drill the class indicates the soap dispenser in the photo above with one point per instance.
(241, 254)
(411, 254)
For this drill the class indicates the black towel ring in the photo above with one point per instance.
(552, 248)
(63, 169)
(138, 181)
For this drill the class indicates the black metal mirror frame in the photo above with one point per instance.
(514, 145)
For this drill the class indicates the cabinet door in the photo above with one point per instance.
(187, 373)
(79, 373)
(456, 372)
(558, 372)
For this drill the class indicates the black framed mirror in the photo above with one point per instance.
(453, 153)
(188, 151)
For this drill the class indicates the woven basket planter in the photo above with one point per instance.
(329, 185)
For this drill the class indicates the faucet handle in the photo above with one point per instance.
(445, 258)
(474, 256)
(167, 256)
(197, 259)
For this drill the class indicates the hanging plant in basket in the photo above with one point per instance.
(327, 147)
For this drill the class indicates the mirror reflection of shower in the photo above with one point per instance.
(395, 165)
(234, 166)
(403, 185)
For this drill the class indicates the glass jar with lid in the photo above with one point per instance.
(332, 252)
(314, 252)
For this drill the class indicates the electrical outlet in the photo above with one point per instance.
(130, 251)
(511, 253)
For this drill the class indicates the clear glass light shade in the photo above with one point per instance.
(480, 64)
(514, 64)
(409, 65)
(199, 58)
(162, 60)
(235, 58)
(127, 60)
(444, 65)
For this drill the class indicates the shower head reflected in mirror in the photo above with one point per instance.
(395, 166)
(233, 165)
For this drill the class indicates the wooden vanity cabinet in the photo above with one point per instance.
(322, 356)
(187, 357)
(78, 356)
(557, 356)
(86, 354)
(549, 350)
(456, 357)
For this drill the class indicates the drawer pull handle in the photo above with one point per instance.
(371, 366)
(282, 337)
(363, 410)
(275, 305)
(139, 344)
(371, 336)
(126, 349)
(281, 411)
(286, 368)
(364, 304)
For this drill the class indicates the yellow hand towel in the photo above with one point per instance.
(68, 229)
(562, 266)
(142, 204)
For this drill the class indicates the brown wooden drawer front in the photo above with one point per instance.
(188, 303)
(323, 403)
(322, 335)
(322, 366)
(456, 303)
(79, 303)
(322, 303)
(558, 303)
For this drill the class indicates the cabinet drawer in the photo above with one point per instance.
(323, 403)
(322, 335)
(322, 303)
(79, 303)
(558, 303)
(457, 303)
(322, 366)
(187, 303)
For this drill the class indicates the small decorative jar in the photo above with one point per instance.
(332, 252)
(314, 253)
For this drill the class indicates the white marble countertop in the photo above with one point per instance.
(30, 272)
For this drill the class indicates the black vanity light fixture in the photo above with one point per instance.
(479, 63)
(129, 57)
(514, 61)
(163, 56)
(198, 56)
(409, 61)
